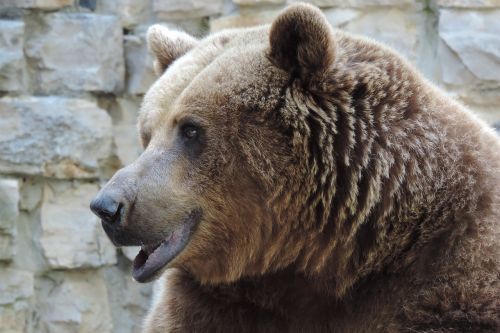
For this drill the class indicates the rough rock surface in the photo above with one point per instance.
(392, 26)
(357, 3)
(139, 64)
(53, 137)
(469, 3)
(128, 299)
(38, 4)
(72, 301)
(11, 55)
(71, 235)
(258, 2)
(16, 286)
(76, 52)
(176, 9)
(242, 20)
(9, 202)
(470, 49)
(130, 12)
(126, 136)
(16, 292)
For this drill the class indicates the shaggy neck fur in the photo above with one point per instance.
(365, 157)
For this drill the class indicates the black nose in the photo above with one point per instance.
(105, 207)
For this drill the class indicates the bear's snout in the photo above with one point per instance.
(142, 206)
(112, 205)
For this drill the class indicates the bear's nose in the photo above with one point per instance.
(106, 207)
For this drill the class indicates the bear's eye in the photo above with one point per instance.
(192, 137)
(189, 131)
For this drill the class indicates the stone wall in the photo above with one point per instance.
(72, 75)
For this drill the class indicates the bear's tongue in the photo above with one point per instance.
(152, 258)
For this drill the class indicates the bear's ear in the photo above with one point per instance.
(168, 45)
(302, 40)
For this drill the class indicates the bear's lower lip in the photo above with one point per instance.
(151, 259)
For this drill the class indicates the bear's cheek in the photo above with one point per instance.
(228, 240)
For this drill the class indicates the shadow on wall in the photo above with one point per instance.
(72, 76)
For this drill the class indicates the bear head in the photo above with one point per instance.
(246, 137)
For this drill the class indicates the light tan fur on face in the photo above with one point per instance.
(168, 45)
(159, 100)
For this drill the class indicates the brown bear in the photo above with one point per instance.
(296, 178)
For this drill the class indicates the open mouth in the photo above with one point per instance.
(152, 258)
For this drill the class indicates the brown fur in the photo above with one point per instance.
(168, 48)
(340, 191)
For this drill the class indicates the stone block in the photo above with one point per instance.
(28, 254)
(16, 286)
(129, 301)
(139, 62)
(6, 247)
(469, 51)
(485, 103)
(126, 136)
(196, 26)
(71, 235)
(75, 52)
(469, 3)
(130, 12)
(11, 55)
(9, 211)
(339, 17)
(53, 137)
(16, 293)
(258, 2)
(15, 320)
(37, 4)
(180, 9)
(394, 27)
(357, 3)
(243, 20)
(72, 301)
